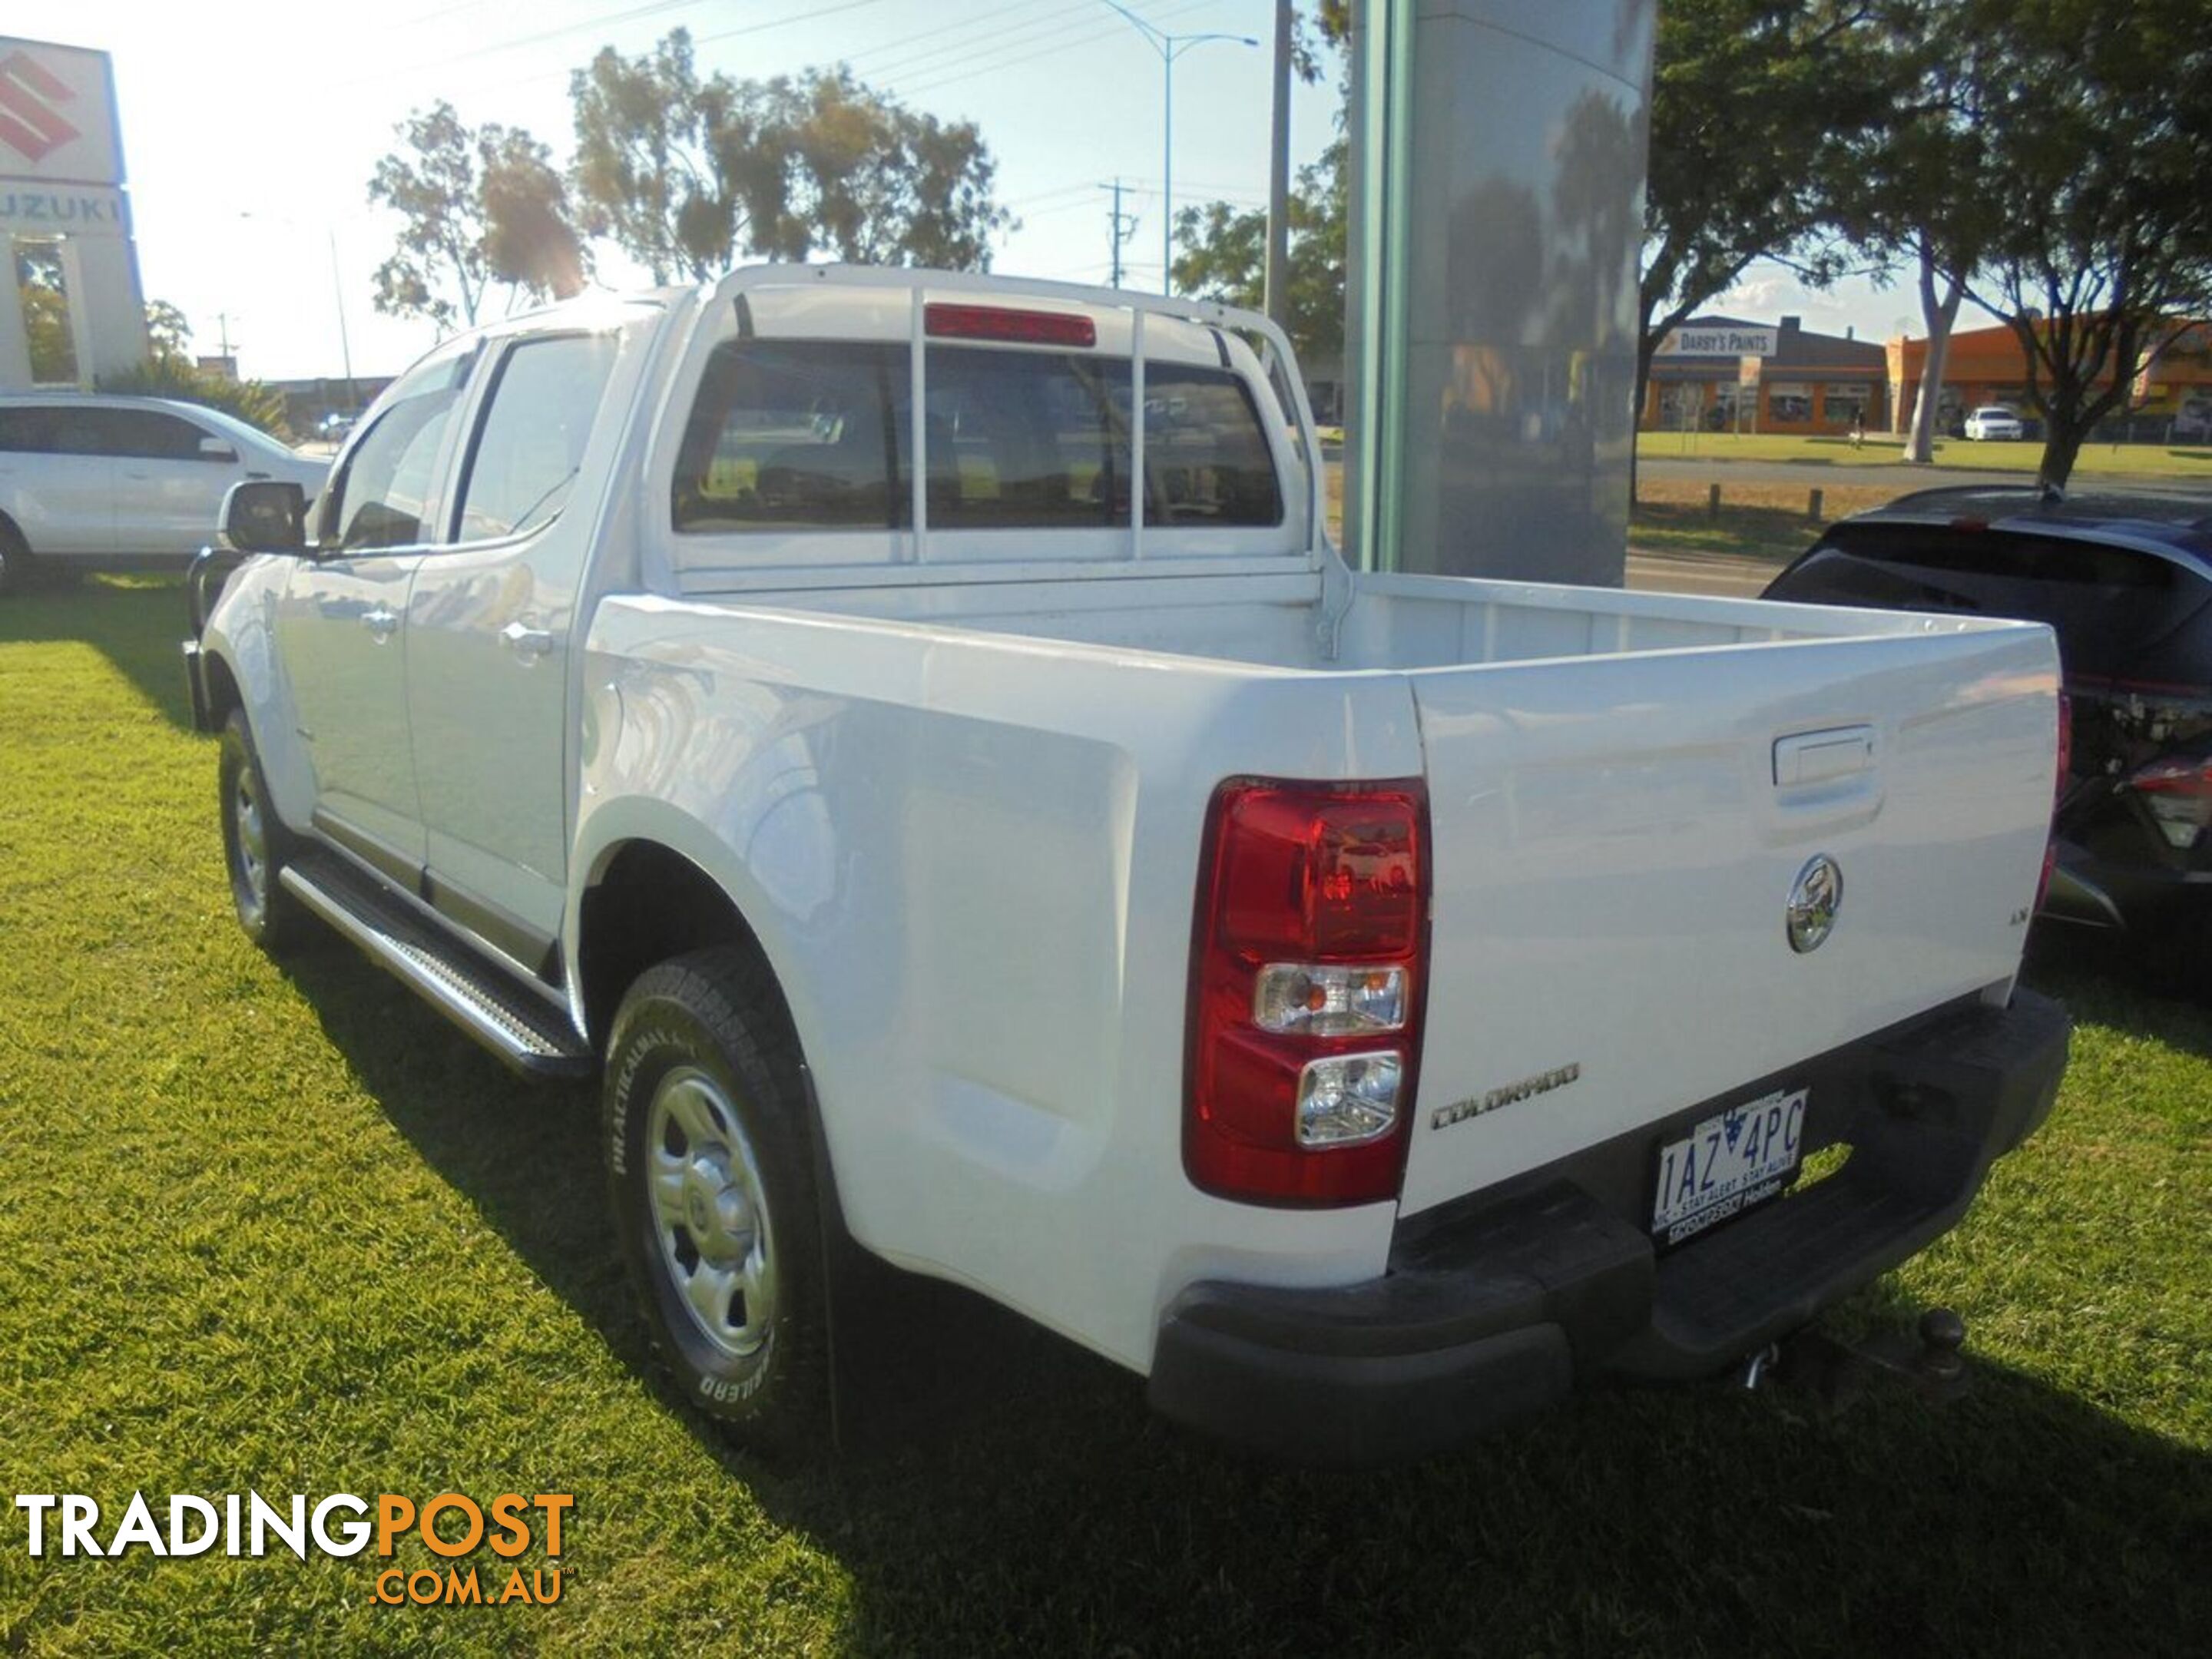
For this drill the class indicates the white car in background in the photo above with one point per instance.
(89, 481)
(1995, 421)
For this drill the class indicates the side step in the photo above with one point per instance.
(522, 1029)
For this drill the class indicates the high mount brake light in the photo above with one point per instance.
(945, 321)
(1309, 963)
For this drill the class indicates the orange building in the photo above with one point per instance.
(2170, 400)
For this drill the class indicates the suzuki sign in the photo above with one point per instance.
(65, 219)
(58, 115)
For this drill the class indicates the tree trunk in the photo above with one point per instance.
(2062, 445)
(1645, 346)
(1939, 315)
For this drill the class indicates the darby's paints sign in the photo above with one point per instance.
(56, 116)
(1718, 340)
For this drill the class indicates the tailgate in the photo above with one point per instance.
(1616, 842)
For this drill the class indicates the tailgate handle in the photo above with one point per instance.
(1822, 756)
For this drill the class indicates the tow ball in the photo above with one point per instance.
(1927, 1357)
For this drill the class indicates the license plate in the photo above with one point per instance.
(1733, 1160)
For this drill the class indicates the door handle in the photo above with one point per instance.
(379, 622)
(526, 641)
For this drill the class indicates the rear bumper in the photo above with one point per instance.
(1496, 1306)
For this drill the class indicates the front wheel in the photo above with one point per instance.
(255, 844)
(709, 1158)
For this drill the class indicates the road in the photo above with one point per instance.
(1724, 573)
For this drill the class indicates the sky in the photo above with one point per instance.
(250, 129)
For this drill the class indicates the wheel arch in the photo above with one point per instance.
(644, 901)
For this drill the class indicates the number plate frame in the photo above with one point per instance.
(1716, 1172)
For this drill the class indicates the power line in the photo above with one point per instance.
(1048, 26)
(931, 85)
(935, 29)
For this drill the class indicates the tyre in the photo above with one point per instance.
(255, 844)
(709, 1145)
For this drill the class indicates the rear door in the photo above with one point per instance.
(489, 624)
(1618, 839)
(171, 474)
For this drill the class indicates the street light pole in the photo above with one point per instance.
(1170, 47)
(345, 345)
(337, 296)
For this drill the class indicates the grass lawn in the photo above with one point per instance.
(2136, 461)
(279, 1228)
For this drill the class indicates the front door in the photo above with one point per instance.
(341, 626)
(490, 626)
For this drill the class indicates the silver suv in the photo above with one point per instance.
(91, 482)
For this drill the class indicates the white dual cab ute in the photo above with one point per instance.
(911, 734)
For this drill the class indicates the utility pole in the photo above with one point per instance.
(222, 325)
(1278, 289)
(1124, 226)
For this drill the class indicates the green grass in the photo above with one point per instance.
(2095, 460)
(278, 1228)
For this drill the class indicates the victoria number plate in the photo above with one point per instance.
(1731, 1161)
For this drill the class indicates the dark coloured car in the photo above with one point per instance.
(2125, 580)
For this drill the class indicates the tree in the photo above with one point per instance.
(480, 206)
(684, 171)
(41, 289)
(167, 332)
(1761, 113)
(1224, 249)
(2098, 121)
(1224, 255)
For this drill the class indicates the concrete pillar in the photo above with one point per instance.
(1499, 165)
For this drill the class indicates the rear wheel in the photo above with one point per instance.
(709, 1154)
(255, 844)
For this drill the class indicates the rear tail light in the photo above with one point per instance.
(2179, 793)
(2057, 795)
(1307, 966)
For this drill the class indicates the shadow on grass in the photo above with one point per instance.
(1032, 1503)
(138, 622)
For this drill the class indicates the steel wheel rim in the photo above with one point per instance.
(709, 1212)
(252, 838)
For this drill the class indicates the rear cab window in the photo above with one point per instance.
(812, 438)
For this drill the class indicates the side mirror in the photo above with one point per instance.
(214, 449)
(266, 517)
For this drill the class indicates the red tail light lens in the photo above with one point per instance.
(1307, 983)
(1007, 323)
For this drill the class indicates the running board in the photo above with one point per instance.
(522, 1028)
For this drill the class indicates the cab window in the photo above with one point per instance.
(379, 500)
(529, 446)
